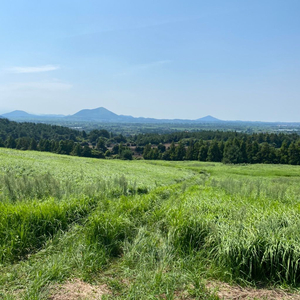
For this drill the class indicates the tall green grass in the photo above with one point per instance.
(147, 234)
(34, 208)
(15, 187)
(249, 238)
(24, 227)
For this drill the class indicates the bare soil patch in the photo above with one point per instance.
(226, 292)
(78, 290)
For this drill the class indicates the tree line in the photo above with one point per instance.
(68, 147)
(60, 140)
(275, 139)
(206, 145)
(233, 151)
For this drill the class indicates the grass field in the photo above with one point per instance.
(145, 229)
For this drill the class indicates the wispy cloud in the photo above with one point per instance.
(31, 86)
(136, 26)
(151, 64)
(157, 23)
(145, 66)
(37, 69)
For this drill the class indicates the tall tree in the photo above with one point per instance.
(10, 142)
(190, 151)
(101, 145)
(232, 153)
(147, 152)
(77, 150)
(203, 152)
(180, 151)
(172, 150)
(284, 152)
(33, 144)
(214, 153)
(294, 154)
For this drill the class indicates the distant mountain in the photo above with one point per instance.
(16, 114)
(20, 115)
(99, 114)
(208, 119)
(102, 114)
(52, 116)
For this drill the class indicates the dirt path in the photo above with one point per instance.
(226, 292)
(78, 290)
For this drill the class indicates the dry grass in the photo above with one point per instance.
(78, 290)
(226, 292)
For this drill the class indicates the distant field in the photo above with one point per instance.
(83, 171)
(145, 229)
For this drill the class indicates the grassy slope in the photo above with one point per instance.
(198, 220)
(84, 171)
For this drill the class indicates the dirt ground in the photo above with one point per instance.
(78, 290)
(226, 292)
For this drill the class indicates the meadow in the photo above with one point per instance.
(145, 229)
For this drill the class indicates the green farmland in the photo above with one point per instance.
(145, 229)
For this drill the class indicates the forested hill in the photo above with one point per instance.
(36, 131)
(209, 145)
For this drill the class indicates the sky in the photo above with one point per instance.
(234, 60)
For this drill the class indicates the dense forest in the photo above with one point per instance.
(227, 147)
(205, 145)
(36, 131)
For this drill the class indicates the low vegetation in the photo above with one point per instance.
(145, 229)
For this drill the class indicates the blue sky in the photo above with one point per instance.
(235, 60)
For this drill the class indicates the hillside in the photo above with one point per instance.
(209, 119)
(17, 114)
(35, 131)
(142, 229)
(92, 118)
(99, 114)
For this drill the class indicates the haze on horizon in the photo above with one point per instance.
(235, 60)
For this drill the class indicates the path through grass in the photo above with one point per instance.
(148, 230)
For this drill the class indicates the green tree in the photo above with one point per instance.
(115, 149)
(203, 152)
(161, 148)
(33, 144)
(147, 152)
(255, 158)
(214, 153)
(121, 149)
(232, 153)
(23, 143)
(86, 151)
(221, 148)
(284, 152)
(267, 153)
(156, 154)
(10, 142)
(180, 152)
(97, 154)
(107, 153)
(101, 145)
(243, 149)
(171, 151)
(77, 150)
(197, 146)
(166, 155)
(190, 150)
(294, 154)
(127, 154)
